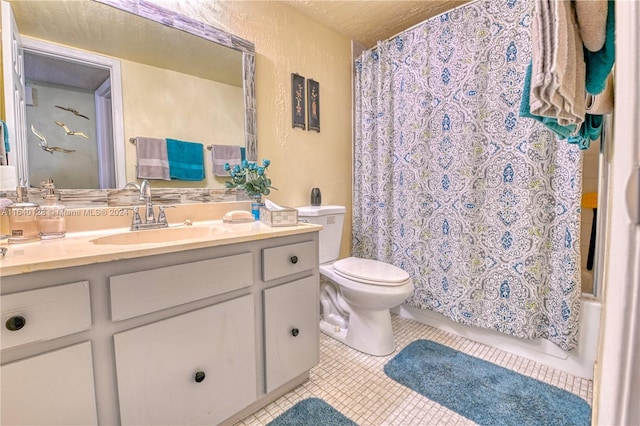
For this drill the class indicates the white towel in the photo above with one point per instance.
(558, 67)
(592, 21)
(153, 161)
(570, 69)
(222, 154)
(542, 49)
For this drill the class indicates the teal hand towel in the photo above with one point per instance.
(599, 63)
(186, 160)
(563, 132)
(590, 131)
(5, 136)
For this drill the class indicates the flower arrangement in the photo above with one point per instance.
(250, 177)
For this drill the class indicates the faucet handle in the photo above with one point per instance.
(135, 220)
(162, 218)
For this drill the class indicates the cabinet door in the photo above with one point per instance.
(195, 368)
(55, 388)
(291, 324)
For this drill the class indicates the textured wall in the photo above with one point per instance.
(287, 42)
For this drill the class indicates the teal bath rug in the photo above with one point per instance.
(312, 412)
(481, 391)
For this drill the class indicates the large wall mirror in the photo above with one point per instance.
(101, 73)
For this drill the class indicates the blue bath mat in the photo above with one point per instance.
(312, 412)
(481, 391)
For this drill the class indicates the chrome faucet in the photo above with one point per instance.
(150, 221)
(145, 195)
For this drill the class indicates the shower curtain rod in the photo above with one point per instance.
(434, 16)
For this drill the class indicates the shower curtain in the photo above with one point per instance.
(480, 207)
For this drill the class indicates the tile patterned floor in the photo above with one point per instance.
(355, 384)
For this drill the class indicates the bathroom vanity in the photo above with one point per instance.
(204, 330)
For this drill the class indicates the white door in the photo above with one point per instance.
(618, 370)
(15, 110)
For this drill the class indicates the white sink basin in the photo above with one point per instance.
(162, 235)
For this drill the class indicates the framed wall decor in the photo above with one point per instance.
(297, 101)
(313, 99)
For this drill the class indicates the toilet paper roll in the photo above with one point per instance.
(603, 103)
(8, 178)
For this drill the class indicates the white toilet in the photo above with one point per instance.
(355, 294)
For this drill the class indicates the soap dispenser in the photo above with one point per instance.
(51, 214)
(23, 225)
(316, 197)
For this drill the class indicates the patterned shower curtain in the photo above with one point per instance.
(480, 207)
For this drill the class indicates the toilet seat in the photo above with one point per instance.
(368, 271)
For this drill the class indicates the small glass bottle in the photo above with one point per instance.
(23, 225)
(51, 214)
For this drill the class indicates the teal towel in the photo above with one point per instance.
(590, 130)
(599, 63)
(5, 133)
(563, 132)
(186, 160)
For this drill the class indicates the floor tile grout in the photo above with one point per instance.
(356, 385)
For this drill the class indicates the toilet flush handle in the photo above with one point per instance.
(199, 376)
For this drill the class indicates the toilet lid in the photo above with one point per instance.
(370, 271)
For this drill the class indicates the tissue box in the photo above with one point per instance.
(285, 217)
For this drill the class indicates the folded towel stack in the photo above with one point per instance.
(572, 57)
(551, 122)
(558, 73)
(186, 160)
(153, 161)
(222, 154)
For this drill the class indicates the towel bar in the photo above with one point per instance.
(133, 141)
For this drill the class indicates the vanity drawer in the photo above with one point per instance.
(43, 314)
(140, 293)
(278, 262)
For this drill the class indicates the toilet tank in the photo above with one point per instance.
(332, 220)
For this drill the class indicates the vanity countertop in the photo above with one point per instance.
(77, 248)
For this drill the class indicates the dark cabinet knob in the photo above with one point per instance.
(16, 323)
(295, 332)
(294, 259)
(199, 376)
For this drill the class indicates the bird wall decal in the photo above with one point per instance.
(71, 132)
(45, 146)
(73, 111)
